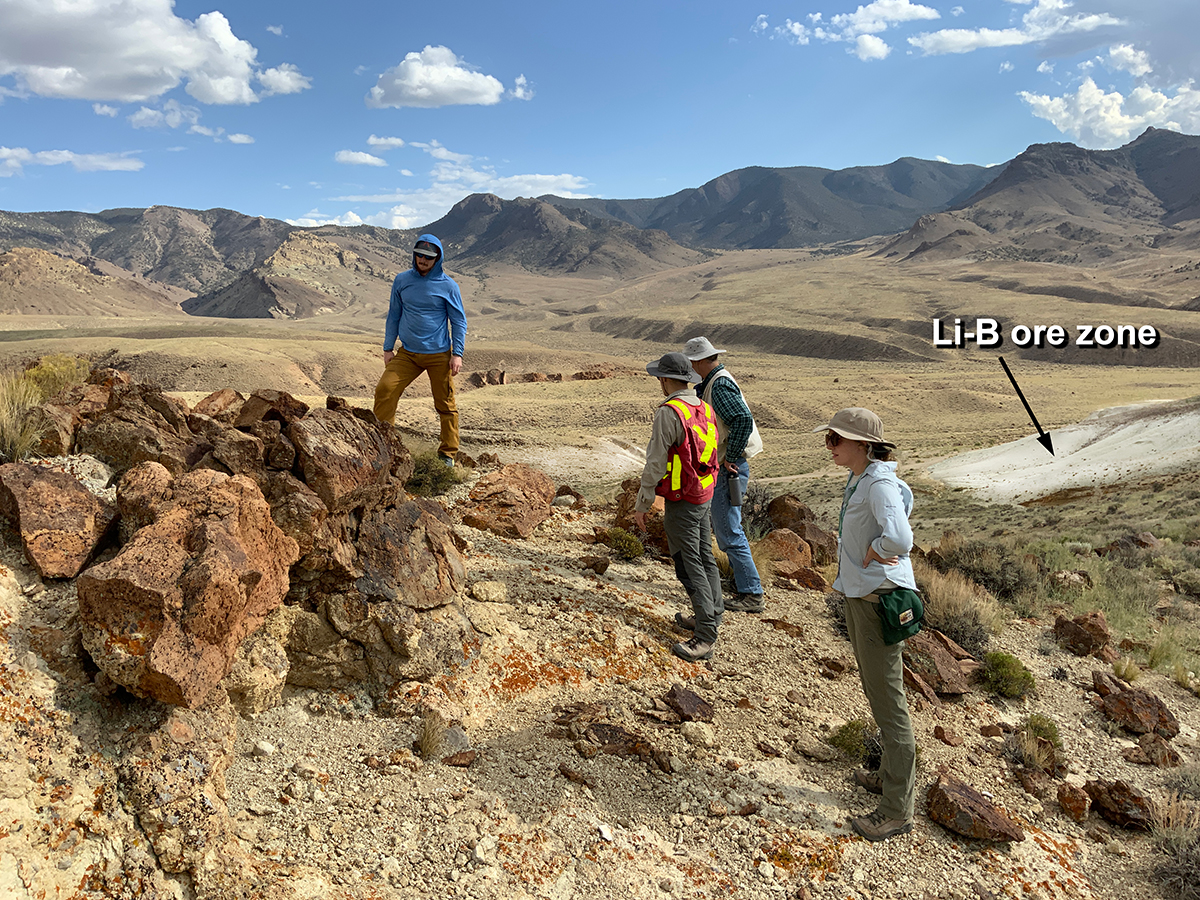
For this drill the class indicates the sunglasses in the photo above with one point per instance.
(832, 439)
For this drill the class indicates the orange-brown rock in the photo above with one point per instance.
(965, 811)
(790, 573)
(783, 544)
(928, 657)
(654, 535)
(1121, 803)
(511, 501)
(1141, 712)
(60, 522)
(164, 618)
(278, 405)
(407, 554)
(1074, 801)
(1084, 635)
(222, 405)
(349, 458)
(141, 423)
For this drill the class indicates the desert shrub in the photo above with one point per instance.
(958, 608)
(17, 395)
(57, 372)
(623, 544)
(1045, 728)
(1165, 650)
(1126, 669)
(1183, 676)
(1187, 581)
(1006, 675)
(1128, 597)
(992, 565)
(1186, 781)
(851, 738)
(431, 476)
(835, 605)
(755, 520)
(1176, 831)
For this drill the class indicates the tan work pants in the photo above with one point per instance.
(403, 371)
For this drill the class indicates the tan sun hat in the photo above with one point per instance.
(857, 424)
(700, 348)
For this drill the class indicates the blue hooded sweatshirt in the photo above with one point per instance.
(421, 308)
(875, 510)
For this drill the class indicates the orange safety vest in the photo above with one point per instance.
(691, 464)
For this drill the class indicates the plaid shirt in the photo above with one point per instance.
(733, 412)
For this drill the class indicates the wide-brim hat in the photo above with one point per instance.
(700, 348)
(857, 424)
(673, 365)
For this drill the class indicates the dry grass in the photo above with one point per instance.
(432, 736)
(17, 395)
(959, 608)
(1127, 669)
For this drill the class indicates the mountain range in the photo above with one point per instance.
(1055, 203)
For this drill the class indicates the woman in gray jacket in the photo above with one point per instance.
(874, 539)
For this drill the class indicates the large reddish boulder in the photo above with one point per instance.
(928, 657)
(349, 460)
(1121, 803)
(1086, 635)
(267, 405)
(141, 423)
(407, 555)
(1141, 712)
(965, 811)
(784, 545)
(164, 618)
(654, 535)
(61, 523)
(511, 501)
(788, 512)
(222, 405)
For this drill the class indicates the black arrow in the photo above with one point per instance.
(1043, 437)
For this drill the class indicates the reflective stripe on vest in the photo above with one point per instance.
(691, 465)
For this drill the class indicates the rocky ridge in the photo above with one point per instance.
(554, 753)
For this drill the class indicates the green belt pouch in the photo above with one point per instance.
(900, 613)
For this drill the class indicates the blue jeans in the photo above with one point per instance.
(727, 526)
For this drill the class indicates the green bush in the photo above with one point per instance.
(992, 565)
(1044, 727)
(851, 739)
(431, 476)
(1187, 581)
(624, 544)
(55, 373)
(1007, 676)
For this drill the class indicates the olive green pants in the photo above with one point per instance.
(403, 371)
(881, 668)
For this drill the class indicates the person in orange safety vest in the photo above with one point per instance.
(681, 467)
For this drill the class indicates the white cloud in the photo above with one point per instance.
(1047, 19)
(942, 159)
(172, 115)
(878, 16)
(760, 25)
(957, 11)
(103, 109)
(868, 47)
(1127, 59)
(283, 79)
(240, 139)
(793, 32)
(1045, 67)
(521, 89)
(434, 77)
(124, 50)
(454, 176)
(1100, 119)
(275, 29)
(358, 158)
(1006, 66)
(14, 159)
(385, 143)
(407, 172)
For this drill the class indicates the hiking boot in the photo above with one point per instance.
(878, 827)
(693, 650)
(687, 623)
(447, 461)
(868, 780)
(750, 603)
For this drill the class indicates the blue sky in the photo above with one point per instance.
(390, 113)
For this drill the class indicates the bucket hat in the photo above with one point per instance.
(673, 365)
(857, 424)
(699, 348)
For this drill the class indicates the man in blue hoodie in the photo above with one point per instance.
(426, 314)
